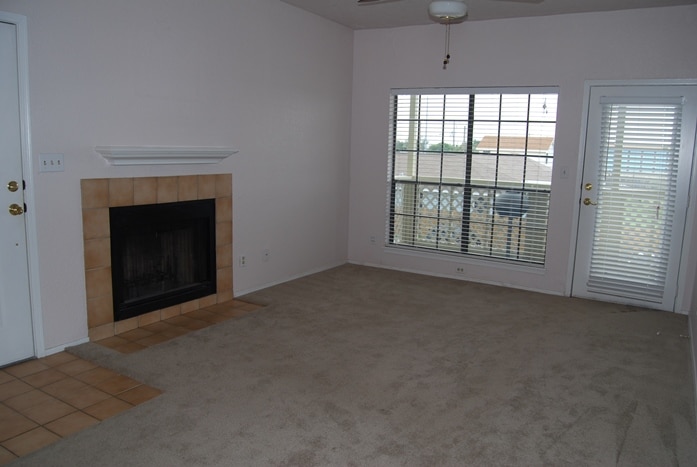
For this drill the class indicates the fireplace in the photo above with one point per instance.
(161, 255)
(100, 195)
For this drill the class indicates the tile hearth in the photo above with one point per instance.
(166, 329)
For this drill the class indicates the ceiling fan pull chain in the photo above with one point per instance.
(447, 46)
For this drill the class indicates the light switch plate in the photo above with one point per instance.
(51, 163)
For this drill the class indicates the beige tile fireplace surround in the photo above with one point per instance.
(98, 195)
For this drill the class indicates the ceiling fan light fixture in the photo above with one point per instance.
(446, 11)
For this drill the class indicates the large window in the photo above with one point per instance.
(470, 172)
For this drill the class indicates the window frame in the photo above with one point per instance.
(466, 185)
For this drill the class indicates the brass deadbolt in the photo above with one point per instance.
(588, 202)
(16, 209)
(13, 186)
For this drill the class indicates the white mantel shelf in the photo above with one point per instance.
(160, 155)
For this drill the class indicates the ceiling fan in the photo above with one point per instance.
(446, 12)
(363, 2)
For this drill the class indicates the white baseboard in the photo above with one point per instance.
(459, 277)
(241, 293)
(692, 325)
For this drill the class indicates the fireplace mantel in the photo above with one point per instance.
(160, 155)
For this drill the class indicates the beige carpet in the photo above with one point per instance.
(362, 366)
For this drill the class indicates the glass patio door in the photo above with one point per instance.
(634, 195)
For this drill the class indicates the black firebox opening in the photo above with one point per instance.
(161, 255)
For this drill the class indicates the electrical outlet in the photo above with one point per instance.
(265, 255)
(372, 240)
(51, 163)
(242, 261)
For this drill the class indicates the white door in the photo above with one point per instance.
(16, 331)
(634, 194)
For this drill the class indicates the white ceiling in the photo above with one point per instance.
(396, 13)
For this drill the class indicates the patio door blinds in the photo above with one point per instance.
(638, 170)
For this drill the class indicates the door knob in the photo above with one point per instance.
(16, 209)
(588, 202)
(12, 186)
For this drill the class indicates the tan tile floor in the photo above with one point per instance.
(44, 400)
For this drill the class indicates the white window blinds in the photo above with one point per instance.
(471, 172)
(638, 170)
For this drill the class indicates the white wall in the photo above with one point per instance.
(562, 51)
(258, 75)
